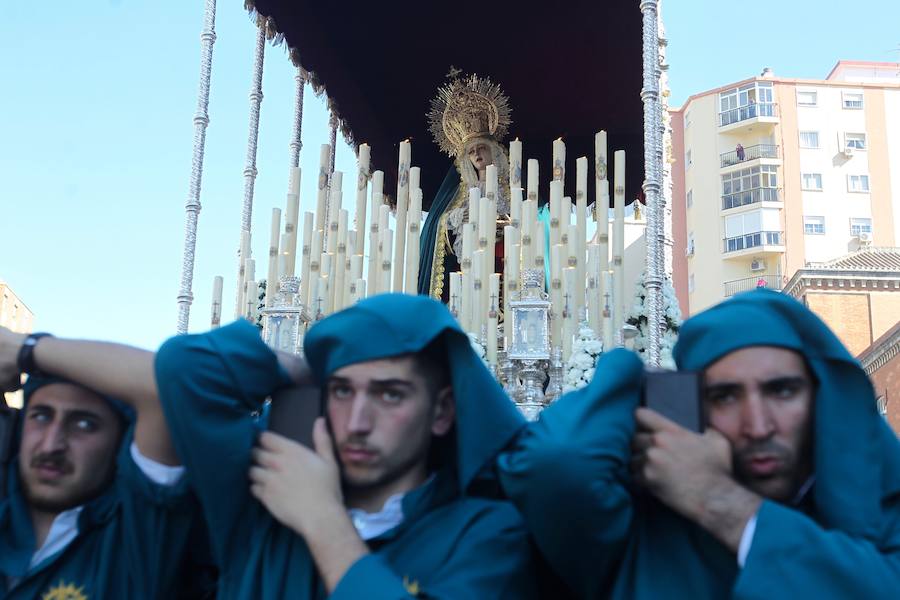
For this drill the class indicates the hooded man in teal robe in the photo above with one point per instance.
(792, 491)
(95, 504)
(382, 508)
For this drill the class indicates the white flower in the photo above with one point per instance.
(589, 374)
(594, 347)
(581, 383)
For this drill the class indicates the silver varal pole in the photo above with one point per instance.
(296, 142)
(652, 172)
(250, 172)
(192, 207)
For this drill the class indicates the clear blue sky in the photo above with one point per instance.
(96, 135)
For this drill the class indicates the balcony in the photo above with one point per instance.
(737, 286)
(772, 241)
(751, 196)
(744, 117)
(729, 159)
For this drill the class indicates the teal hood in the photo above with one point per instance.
(395, 324)
(856, 455)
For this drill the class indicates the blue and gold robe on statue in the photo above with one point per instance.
(568, 474)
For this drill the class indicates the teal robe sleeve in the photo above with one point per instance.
(491, 559)
(209, 386)
(568, 475)
(792, 556)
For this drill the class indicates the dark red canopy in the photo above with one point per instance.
(569, 67)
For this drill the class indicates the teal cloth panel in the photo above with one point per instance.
(607, 539)
(210, 385)
(131, 540)
(445, 195)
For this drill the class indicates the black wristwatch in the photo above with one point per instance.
(25, 360)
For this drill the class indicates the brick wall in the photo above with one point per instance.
(847, 315)
(887, 383)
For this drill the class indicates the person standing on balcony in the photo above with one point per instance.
(739, 150)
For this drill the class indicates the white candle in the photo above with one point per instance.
(334, 212)
(619, 241)
(387, 240)
(315, 256)
(455, 294)
(539, 245)
(484, 222)
(556, 198)
(515, 206)
(600, 175)
(533, 179)
(402, 208)
(372, 273)
(559, 160)
(603, 226)
(594, 293)
(412, 243)
(322, 194)
(272, 272)
(581, 168)
(515, 164)
(606, 302)
(479, 283)
(465, 307)
(252, 300)
(340, 270)
(308, 221)
(362, 184)
(216, 317)
(568, 330)
(357, 291)
(291, 214)
(294, 180)
(474, 204)
(576, 261)
(565, 216)
(468, 246)
(490, 182)
(243, 254)
(556, 293)
(415, 175)
(377, 201)
(493, 316)
(528, 229)
(283, 256)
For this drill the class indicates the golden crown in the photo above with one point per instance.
(465, 109)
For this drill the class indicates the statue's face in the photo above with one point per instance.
(479, 153)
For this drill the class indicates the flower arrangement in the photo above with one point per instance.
(638, 318)
(580, 368)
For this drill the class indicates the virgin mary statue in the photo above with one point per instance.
(468, 119)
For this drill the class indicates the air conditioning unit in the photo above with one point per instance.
(848, 151)
(757, 265)
(865, 238)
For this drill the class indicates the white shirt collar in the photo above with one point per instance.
(371, 525)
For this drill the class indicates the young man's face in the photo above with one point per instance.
(382, 415)
(761, 399)
(70, 438)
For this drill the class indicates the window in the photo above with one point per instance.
(881, 405)
(689, 251)
(811, 181)
(752, 100)
(809, 139)
(814, 225)
(690, 198)
(855, 140)
(852, 100)
(687, 120)
(691, 283)
(807, 98)
(858, 183)
(756, 184)
(752, 229)
(860, 225)
(687, 158)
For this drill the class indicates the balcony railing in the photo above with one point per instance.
(748, 283)
(750, 111)
(749, 153)
(750, 196)
(753, 240)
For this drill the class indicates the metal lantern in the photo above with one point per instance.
(530, 338)
(285, 321)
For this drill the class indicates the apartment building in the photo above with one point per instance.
(16, 316)
(776, 174)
